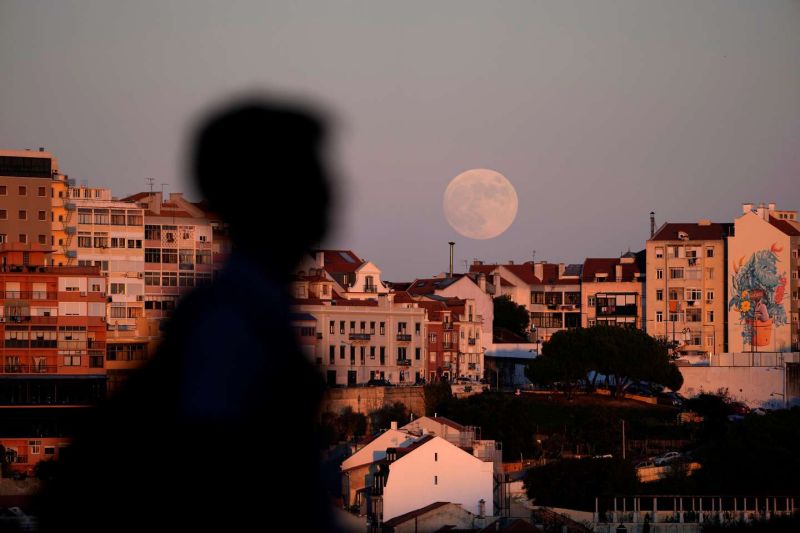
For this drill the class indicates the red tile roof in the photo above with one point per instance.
(607, 265)
(523, 271)
(785, 226)
(340, 260)
(506, 336)
(403, 518)
(136, 197)
(710, 232)
(448, 422)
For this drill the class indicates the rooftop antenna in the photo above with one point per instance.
(466, 265)
(150, 182)
(533, 255)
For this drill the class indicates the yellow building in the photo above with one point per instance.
(686, 286)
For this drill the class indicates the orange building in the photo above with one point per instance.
(52, 359)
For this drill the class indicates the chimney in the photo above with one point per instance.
(496, 283)
(652, 224)
(41, 148)
(538, 270)
(762, 211)
(704, 222)
(746, 208)
(477, 262)
(482, 281)
(618, 272)
(452, 245)
(394, 424)
(320, 259)
(510, 262)
(561, 269)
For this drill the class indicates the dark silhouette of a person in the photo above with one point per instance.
(217, 432)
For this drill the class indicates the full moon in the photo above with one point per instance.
(480, 203)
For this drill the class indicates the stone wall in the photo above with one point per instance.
(367, 399)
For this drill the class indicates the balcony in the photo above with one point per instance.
(360, 336)
(96, 361)
(28, 369)
(72, 254)
(472, 366)
(471, 342)
(370, 288)
(448, 326)
(447, 345)
(404, 337)
(404, 362)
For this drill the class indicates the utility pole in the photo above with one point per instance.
(452, 244)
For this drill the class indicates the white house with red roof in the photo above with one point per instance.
(355, 278)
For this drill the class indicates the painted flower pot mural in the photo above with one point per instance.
(757, 295)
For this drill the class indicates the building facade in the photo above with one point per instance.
(762, 281)
(686, 286)
(612, 291)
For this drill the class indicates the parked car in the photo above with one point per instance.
(645, 464)
(665, 458)
(379, 383)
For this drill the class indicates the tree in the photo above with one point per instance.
(511, 316)
(436, 395)
(623, 355)
(383, 417)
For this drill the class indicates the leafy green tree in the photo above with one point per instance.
(436, 395)
(511, 316)
(383, 417)
(564, 361)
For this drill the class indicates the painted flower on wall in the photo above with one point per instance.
(757, 293)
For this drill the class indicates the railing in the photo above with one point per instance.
(447, 345)
(28, 369)
(448, 326)
(360, 336)
(96, 361)
(472, 366)
(28, 295)
(471, 342)
(404, 362)
(404, 337)
(370, 288)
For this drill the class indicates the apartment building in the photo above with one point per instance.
(686, 286)
(355, 341)
(353, 277)
(763, 287)
(612, 291)
(26, 189)
(178, 250)
(52, 359)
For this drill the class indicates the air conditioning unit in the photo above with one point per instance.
(2, 319)
(140, 275)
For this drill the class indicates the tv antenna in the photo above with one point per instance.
(150, 182)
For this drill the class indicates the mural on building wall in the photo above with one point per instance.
(757, 294)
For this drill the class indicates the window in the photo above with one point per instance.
(137, 243)
(659, 252)
(3, 190)
(537, 297)
(152, 279)
(352, 355)
(341, 327)
(710, 316)
(710, 273)
(341, 352)
(676, 273)
(432, 338)
(169, 279)
(3, 214)
(435, 480)
(710, 295)
(709, 252)
(22, 214)
(383, 328)
(659, 273)
(100, 241)
(401, 327)
(23, 238)
(101, 217)
(694, 294)
(363, 354)
(660, 295)
(383, 355)
(42, 239)
(135, 219)
(84, 216)
(371, 324)
(417, 327)
(332, 327)
(117, 288)
(592, 301)
(152, 233)
(352, 326)
(71, 360)
(331, 354)
(152, 255)
(417, 352)
(23, 190)
(372, 352)
(673, 316)
(362, 327)
(435, 456)
(674, 251)
(186, 279)
(169, 256)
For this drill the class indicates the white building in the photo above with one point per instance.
(432, 470)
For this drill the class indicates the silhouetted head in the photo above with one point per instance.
(260, 168)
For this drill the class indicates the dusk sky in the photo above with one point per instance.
(597, 112)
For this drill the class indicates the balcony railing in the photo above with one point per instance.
(472, 366)
(471, 342)
(447, 345)
(404, 362)
(370, 288)
(404, 337)
(28, 295)
(448, 326)
(360, 336)
(28, 369)
(96, 361)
